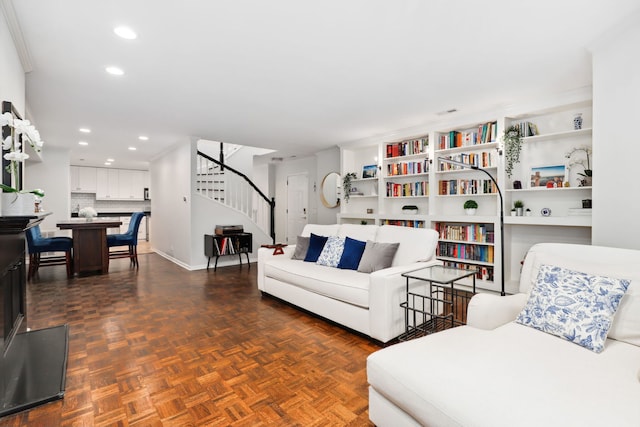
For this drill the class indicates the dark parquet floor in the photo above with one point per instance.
(162, 346)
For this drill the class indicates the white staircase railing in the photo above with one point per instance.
(233, 189)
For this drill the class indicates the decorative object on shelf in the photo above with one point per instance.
(369, 210)
(513, 145)
(15, 200)
(586, 175)
(527, 212)
(410, 209)
(586, 204)
(453, 162)
(346, 184)
(87, 213)
(577, 121)
(470, 207)
(545, 212)
(363, 222)
(513, 212)
(519, 206)
(369, 171)
(548, 176)
(517, 185)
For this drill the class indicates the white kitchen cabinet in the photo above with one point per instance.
(83, 179)
(107, 186)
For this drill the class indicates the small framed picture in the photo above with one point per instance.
(369, 171)
(548, 176)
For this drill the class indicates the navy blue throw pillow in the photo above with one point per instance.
(316, 244)
(353, 250)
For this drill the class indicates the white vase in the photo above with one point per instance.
(18, 204)
(470, 211)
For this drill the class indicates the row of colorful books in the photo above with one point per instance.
(484, 159)
(466, 251)
(482, 272)
(404, 223)
(480, 233)
(408, 189)
(408, 148)
(485, 134)
(408, 168)
(466, 186)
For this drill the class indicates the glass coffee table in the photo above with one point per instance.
(435, 300)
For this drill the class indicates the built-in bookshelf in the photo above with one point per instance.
(410, 173)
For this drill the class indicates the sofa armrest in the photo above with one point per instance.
(266, 254)
(387, 290)
(487, 311)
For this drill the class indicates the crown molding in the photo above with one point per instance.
(16, 34)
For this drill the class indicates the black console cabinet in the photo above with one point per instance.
(231, 244)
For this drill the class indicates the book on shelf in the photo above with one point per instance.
(483, 159)
(466, 186)
(527, 128)
(482, 272)
(408, 147)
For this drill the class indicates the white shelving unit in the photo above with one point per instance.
(556, 137)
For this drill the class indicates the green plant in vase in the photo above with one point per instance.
(346, 184)
(518, 205)
(512, 147)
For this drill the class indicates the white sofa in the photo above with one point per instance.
(365, 302)
(496, 372)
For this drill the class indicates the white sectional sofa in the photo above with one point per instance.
(365, 302)
(497, 372)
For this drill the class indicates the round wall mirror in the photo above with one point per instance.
(330, 190)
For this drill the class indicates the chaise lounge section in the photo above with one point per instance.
(519, 362)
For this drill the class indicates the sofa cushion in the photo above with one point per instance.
(416, 244)
(626, 322)
(302, 246)
(572, 305)
(320, 230)
(316, 244)
(358, 231)
(343, 285)
(352, 253)
(511, 376)
(332, 252)
(377, 256)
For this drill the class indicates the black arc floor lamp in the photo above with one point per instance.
(468, 166)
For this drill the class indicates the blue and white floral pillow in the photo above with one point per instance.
(572, 305)
(332, 251)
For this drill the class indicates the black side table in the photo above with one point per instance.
(435, 304)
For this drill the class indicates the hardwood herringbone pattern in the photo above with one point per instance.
(162, 346)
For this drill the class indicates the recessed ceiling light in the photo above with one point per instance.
(107, 163)
(83, 143)
(115, 71)
(143, 138)
(110, 160)
(85, 130)
(125, 33)
(132, 148)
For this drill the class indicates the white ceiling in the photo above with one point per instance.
(292, 75)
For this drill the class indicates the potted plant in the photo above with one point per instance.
(470, 207)
(346, 184)
(527, 212)
(513, 145)
(513, 212)
(518, 205)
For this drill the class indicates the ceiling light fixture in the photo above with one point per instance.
(132, 148)
(143, 138)
(110, 160)
(107, 163)
(83, 143)
(115, 71)
(125, 33)
(85, 130)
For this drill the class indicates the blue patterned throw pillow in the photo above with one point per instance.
(331, 252)
(576, 306)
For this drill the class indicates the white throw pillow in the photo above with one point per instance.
(332, 252)
(572, 305)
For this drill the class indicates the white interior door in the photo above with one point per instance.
(297, 205)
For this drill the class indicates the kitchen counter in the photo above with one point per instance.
(114, 213)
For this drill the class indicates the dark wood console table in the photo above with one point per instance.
(90, 251)
(231, 244)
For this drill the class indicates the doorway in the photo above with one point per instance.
(297, 205)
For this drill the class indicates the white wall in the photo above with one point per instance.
(283, 170)
(616, 149)
(171, 202)
(12, 80)
(52, 175)
(327, 161)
